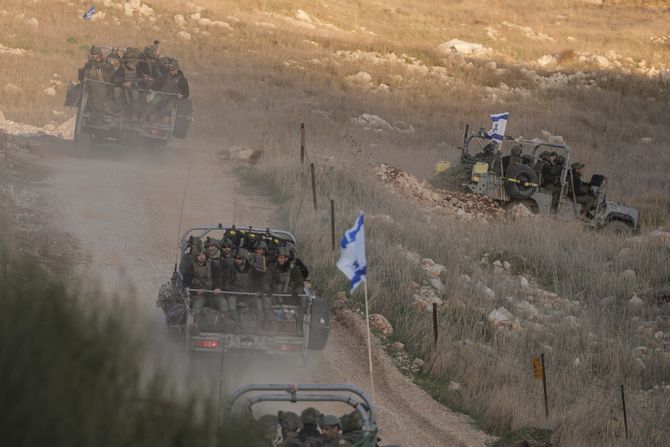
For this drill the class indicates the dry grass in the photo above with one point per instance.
(246, 94)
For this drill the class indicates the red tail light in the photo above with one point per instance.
(211, 344)
(288, 347)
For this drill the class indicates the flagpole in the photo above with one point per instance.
(367, 322)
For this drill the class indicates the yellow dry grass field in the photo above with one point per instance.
(595, 72)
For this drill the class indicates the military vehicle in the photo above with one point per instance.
(347, 394)
(217, 332)
(520, 184)
(106, 123)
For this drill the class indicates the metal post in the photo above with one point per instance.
(332, 223)
(625, 416)
(302, 143)
(465, 135)
(435, 324)
(544, 386)
(311, 168)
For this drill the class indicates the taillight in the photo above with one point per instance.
(288, 347)
(211, 344)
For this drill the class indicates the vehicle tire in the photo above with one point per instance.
(183, 118)
(520, 175)
(319, 326)
(618, 228)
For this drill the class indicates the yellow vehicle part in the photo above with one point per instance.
(478, 169)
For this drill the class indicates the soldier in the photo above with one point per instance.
(581, 189)
(309, 433)
(290, 424)
(172, 84)
(330, 427)
(512, 160)
(352, 427)
(297, 261)
(129, 81)
(194, 244)
(226, 248)
(242, 280)
(151, 60)
(201, 274)
(267, 430)
(542, 165)
(99, 73)
(487, 154)
(285, 278)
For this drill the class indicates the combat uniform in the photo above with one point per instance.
(99, 72)
(286, 279)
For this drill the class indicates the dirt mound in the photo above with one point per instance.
(435, 200)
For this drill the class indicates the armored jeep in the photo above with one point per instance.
(522, 184)
(216, 332)
(242, 401)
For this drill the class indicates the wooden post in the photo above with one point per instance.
(625, 416)
(332, 223)
(544, 386)
(302, 143)
(434, 324)
(311, 168)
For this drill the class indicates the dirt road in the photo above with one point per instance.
(123, 207)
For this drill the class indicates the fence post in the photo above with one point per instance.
(302, 143)
(625, 417)
(435, 324)
(311, 168)
(544, 386)
(332, 223)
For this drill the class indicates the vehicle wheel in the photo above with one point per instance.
(183, 118)
(521, 182)
(319, 326)
(618, 228)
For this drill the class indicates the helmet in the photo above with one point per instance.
(163, 61)
(310, 416)
(260, 244)
(243, 253)
(267, 424)
(226, 242)
(352, 421)
(211, 242)
(577, 165)
(150, 52)
(527, 158)
(289, 421)
(97, 51)
(283, 251)
(194, 241)
(560, 159)
(545, 155)
(330, 421)
(516, 150)
(489, 148)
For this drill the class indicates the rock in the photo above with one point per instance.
(223, 25)
(500, 318)
(571, 321)
(523, 283)
(437, 284)
(241, 153)
(361, 78)
(491, 65)
(413, 256)
(179, 19)
(498, 270)
(576, 362)
(32, 21)
(641, 351)
(507, 265)
(659, 235)
(546, 60)
(397, 346)
(659, 335)
(195, 16)
(461, 47)
(128, 9)
(607, 301)
(50, 91)
(454, 386)
(639, 363)
(628, 276)
(146, 10)
(379, 322)
(432, 269)
(11, 89)
(303, 16)
(646, 140)
(635, 301)
(527, 309)
(183, 35)
(497, 264)
(486, 291)
(464, 280)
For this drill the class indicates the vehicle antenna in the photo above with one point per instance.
(181, 211)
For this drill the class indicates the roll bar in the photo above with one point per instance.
(308, 393)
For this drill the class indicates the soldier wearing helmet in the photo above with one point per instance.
(285, 278)
(128, 80)
(486, 155)
(290, 424)
(330, 428)
(352, 427)
(97, 74)
(204, 276)
(309, 433)
(581, 189)
(171, 85)
(226, 248)
(242, 280)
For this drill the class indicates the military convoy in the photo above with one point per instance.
(216, 331)
(522, 183)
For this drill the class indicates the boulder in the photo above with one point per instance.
(437, 284)
(417, 365)
(379, 322)
(659, 335)
(523, 283)
(628, 276)
(397, 346)
(456, 46)
(454, 386)
(635, 301)
(501, 318)
(241, 153)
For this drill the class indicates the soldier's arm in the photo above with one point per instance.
(183, 86)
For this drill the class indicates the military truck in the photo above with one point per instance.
(345, 394)
(521, 184)
(216, 331)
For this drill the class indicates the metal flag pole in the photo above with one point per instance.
(367, 322)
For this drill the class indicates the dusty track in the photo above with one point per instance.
(122, 205)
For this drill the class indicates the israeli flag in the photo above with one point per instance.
(88, 14)
(497, 132)
(352, 253)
